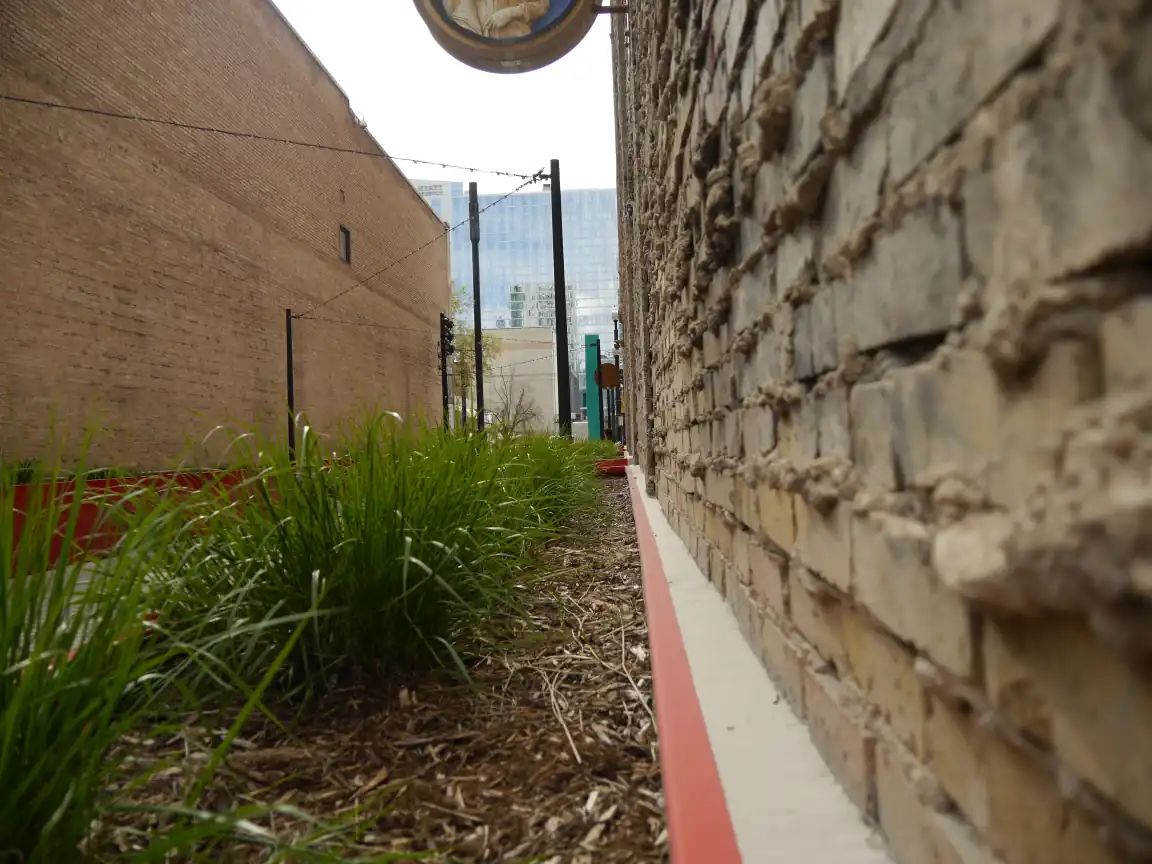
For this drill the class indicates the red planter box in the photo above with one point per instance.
(94, 532)
(613, 466)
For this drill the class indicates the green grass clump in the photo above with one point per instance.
(598, 448)
(91, 650)
(81, 664)
(402, 544)
(373, 564)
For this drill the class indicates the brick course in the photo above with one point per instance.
(884, 265)
(144, 270)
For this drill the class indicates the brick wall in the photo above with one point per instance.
(144, 270)
(885, 268)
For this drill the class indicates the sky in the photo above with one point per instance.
(419, 102)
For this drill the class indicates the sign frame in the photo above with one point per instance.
(511, 55)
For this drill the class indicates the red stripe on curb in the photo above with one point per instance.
(699, 826)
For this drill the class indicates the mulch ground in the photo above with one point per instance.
(548, 756)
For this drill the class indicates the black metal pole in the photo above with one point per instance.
(599, 388)
(563, 384)
(291, 386)
(444, 366)
(463, 409)
(474, 234)
(616, 425)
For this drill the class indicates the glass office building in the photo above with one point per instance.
(516, 251)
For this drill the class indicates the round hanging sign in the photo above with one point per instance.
(508, 35)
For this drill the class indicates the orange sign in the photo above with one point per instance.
(608, 376)
(508, 35)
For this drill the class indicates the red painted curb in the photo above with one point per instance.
(699, 826)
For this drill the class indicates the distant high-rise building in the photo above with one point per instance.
(516, 276)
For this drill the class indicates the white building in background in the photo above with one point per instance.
(522, 385)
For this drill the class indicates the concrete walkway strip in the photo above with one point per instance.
(699, 827)
(774, 799)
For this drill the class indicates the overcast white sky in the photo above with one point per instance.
(421, 103)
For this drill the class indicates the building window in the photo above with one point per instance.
(345, 245)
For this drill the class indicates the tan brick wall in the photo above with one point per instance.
(144, 270)
(885, 269)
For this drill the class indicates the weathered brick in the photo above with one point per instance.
(955, 417)
(748, 617)
(702, 553)
(767, 25)
(711, 356)
(1068, 376)
(893, 578)
(1099, 708)
(741, 556)
(769, 572)
(751, 295)
(875, 308)
(1010, 800)
(796, 257)
(718, 571)
(854, 187)
(816, 613)
(835, 720)
(832, 423)
(803, 363)
(945, 419)
(719, 531)
(734, 435)
(698, 512)
(812, 100)
(1125, 336)
(798, 433)
(918, 833)
(883, 669)
(759, 430)
(1012, 689)
(747, 510)
(1035, 234)
(777, 511)
(720, 489)
(965, 54)
(823, 542)
(733, 30)
(859, 27)
(825, 337)
(870, 410)
(784, 662)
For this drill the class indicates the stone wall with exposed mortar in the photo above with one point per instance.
(885, 282)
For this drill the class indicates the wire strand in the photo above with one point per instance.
(429, 328)
(533, 179)
(547, 356)
(252, 136)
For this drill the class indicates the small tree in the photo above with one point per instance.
(464, 366)
(516, 411)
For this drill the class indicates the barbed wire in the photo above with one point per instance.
(539, 175)
(251, 136)
(430, 328)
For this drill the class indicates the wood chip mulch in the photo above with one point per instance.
(549, 756)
